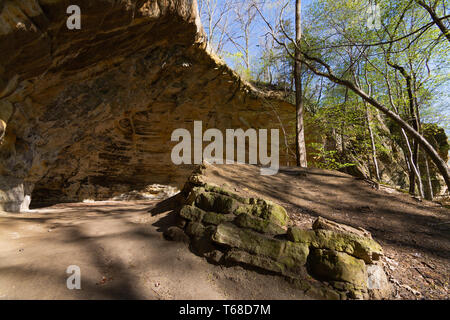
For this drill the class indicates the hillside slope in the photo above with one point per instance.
(121, 250)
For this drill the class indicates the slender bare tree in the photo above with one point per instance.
(216, 16)
(300, 129)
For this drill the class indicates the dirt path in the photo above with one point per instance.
(122, 255)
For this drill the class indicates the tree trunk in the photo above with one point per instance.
(369, 126)
(429, 190)
(415, 124)
(300, 130)
(247, 53)
(413, 167)
(372, 142)
(343, 151)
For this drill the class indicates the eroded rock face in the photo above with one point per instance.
(88, 114)
(345, 261)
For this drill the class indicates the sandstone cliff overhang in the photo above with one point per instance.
(89, 113)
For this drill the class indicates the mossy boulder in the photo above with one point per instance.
(216, 202)
(245, 220)
(300, 235)
(216, 189)
(217, 218)
(250, 241)
(224, 226)
(357, 246)
(331, 265)
(291, 254)
(262, 262)
(191, 213)
(198, 230)
(193, 193)
(211, 198)
(266, 210)
(195, 229)
(325, 224)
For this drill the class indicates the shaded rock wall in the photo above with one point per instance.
(89, 113)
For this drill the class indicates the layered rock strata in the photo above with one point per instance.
(88, 114)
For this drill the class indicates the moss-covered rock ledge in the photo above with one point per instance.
(330, 261)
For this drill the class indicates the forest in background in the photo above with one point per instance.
(366, 71)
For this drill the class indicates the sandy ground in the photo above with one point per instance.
(122, 254)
